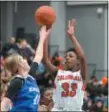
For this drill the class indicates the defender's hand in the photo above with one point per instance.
(44, 33)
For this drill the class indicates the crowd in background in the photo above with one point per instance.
(96, 93)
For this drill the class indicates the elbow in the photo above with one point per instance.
(45, 61)
(82, 57)
(85, 79)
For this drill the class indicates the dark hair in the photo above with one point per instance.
(56, 54)
(43, 90)
(72, 50)
(56, 63)
(93, 77)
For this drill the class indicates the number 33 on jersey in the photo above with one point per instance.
(66, 92)
(69, 83)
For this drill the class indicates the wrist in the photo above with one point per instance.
(72, 36)
(42, 39)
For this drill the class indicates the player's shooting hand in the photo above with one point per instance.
(71, 27)
(44, 33)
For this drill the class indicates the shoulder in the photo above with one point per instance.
(14, 86)
(16, 81)
(17, 77)
(76, 72)
(59, 71)
(30, 76)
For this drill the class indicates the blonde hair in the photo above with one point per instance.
(12, 63)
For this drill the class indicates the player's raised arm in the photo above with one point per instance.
(49, 66)
(39, 52)
(78, 48)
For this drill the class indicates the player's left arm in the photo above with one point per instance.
(78, 48)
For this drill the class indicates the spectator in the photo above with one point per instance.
(95, 88)
(98, 92)
(18, 43)
(10, 47)
(87, 105)
(97, 107)
(46, 97)
(57, 61)
(26, 51)
(45, 79)
(90, 87)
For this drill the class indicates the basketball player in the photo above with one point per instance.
(23, 92)
(68, 94)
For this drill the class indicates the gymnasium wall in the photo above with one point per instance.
(90, 32)
(3, 20)
(24, 17)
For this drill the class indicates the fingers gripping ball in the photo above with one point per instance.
(45, 15)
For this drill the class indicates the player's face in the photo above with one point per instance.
(70, 60)
(24, 63)
(48, 97)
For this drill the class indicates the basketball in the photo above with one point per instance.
(45, 15)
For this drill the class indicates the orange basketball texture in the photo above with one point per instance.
(45, 15)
